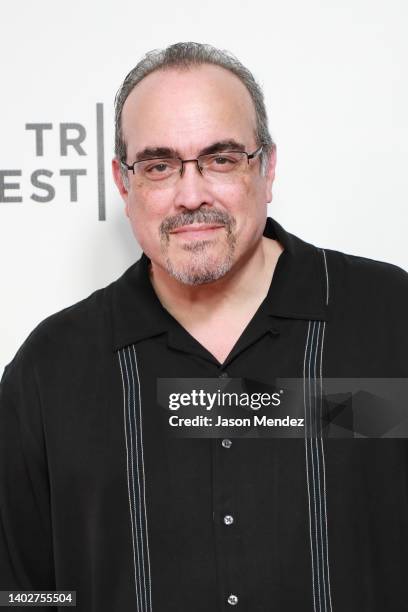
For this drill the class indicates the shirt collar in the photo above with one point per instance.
(297, 291)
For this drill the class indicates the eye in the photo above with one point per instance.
(223, 161)
(160, 168)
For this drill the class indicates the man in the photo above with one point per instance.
(96, 495)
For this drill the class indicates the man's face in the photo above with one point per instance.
(187, 112)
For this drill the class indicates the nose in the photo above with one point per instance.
(192, 190)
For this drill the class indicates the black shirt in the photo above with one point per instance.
(96, 497)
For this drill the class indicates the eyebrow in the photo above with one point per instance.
(215, 147)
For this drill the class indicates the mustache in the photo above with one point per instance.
(197, 216)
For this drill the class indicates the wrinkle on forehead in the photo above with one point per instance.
(188, 107)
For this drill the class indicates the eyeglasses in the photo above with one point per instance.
(222, 167)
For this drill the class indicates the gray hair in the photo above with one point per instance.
(184, 56)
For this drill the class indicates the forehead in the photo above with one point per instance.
(187, 110)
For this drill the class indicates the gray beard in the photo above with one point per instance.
(199, 270)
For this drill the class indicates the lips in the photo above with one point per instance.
(200, 227)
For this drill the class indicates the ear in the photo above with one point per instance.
(118, 178)
(270, 173)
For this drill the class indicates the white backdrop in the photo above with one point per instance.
(334, 75)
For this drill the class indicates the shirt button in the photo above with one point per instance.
(226, 443)
(224, 375)
(228, 519)
(232, 600)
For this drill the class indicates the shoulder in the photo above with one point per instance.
(347, 278)
(65, 332)
(360, 268)
(364, 280)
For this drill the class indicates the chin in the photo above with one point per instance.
(198, 273)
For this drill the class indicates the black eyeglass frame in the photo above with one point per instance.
(185, 161)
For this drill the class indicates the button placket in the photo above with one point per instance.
(223, 518)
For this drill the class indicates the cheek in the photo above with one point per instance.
(233, 195)
(148, 206)
(238, 199)
(245, 201)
